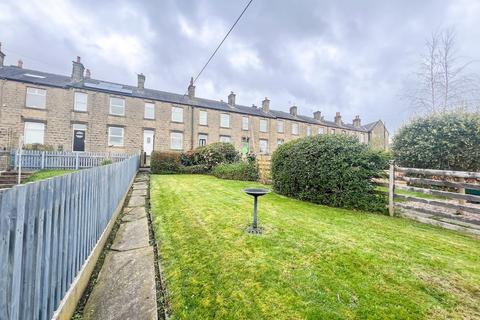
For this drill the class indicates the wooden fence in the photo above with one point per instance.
(32, 159)
(264, 163)
(47, 231)
(448, 189)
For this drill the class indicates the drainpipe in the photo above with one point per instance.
(191, 129)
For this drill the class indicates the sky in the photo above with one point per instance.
(352, 57)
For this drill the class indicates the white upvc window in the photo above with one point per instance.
(177, 114)
(117, 106)
(280, 142)
(333, 131)
(280, 126)
(294, 128)
(202, 139)
(263, 146)
(36, 98)
(80, 103)
(309, 131)
(176, 140)
(244, 123)
(224, 120)
(224, 138)
(149, 110)
(263, 125)
(321, 130)
(363, 138)
(34, 132)
(203, 118)
(116, 136)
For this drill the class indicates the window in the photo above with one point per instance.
(115, 136)
(117, 106)
(244, 123)
(263, 146)
(202, 118)
(263, 125)
(176, 140)
(294, 128)
(224, 120)
(245, 145)
(321, 130)
(309, 131)
(224, 138)
(363, 139)
(202, 139)
(333, 131)
(177, 114)
(34, 132)
(280, 142)
(280, 126)
(36, 98)
(80, 103)
(149, 111)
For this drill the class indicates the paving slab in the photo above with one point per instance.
(125, 288)
(139, 192)
(134, 214)
(131, 235)
(141, 178)
(140, 185)
(136, 201)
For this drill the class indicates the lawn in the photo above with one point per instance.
(312, 262)
(45, 174)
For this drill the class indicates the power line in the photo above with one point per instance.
(224, 38)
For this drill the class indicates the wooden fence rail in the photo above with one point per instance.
(32, 159)
(47, 231)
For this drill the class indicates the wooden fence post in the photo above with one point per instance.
(391, 189)
(461, 191)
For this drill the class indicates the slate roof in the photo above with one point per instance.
(49, 79)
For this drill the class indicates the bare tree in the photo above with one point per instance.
(443, 81)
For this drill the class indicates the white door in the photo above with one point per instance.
(148, 136)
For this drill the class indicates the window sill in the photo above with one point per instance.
(35, 108)
(150, 119)
(80, 111)
(181, 122)
(117, 115)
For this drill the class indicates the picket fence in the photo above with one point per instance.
(32, 159)
(47, 231)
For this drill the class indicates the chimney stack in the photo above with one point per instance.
(87, 74)
(317, 115)
(338, 119)
(2, 56)
(231, 99)
(357, 122)
(266, 105)
(141, 82)
(20, 64)
(293, 110)
(77, 71)
(191, 89)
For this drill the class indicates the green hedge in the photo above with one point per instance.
(333, 170)
(448, 141)
(246, 171)
(165, 162)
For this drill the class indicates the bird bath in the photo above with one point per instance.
(255, 193)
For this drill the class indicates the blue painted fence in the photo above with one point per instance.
(47, 231)
(32, 159)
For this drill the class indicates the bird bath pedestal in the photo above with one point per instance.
(255, 193)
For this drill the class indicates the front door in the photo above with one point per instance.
(148, 136)
(79, 140)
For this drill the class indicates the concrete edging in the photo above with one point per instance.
(68, 305)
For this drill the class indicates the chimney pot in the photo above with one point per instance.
(141, 82)
(231, 99)
(77, 71)
(266, 105)
(317, 115)
(294, 110)
(191, 89)
(20, 64)
(78, 59)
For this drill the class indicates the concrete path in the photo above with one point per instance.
(125, 287)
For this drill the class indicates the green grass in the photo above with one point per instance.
(45, 174)
(312, 262)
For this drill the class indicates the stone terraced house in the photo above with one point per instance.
(83, 114)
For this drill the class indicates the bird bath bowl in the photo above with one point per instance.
(255, 193)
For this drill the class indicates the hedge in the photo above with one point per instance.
(246, 171)
(333, 170)
(447, 141)
(165, 162)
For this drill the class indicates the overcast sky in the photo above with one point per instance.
(353, 56)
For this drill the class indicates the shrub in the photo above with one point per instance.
(106, 162)
(447, 141)
(192, 158)
(332, 170)
(38, 147)
(246, 171)
(165, 162)
(216, 153)
(195, 169)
